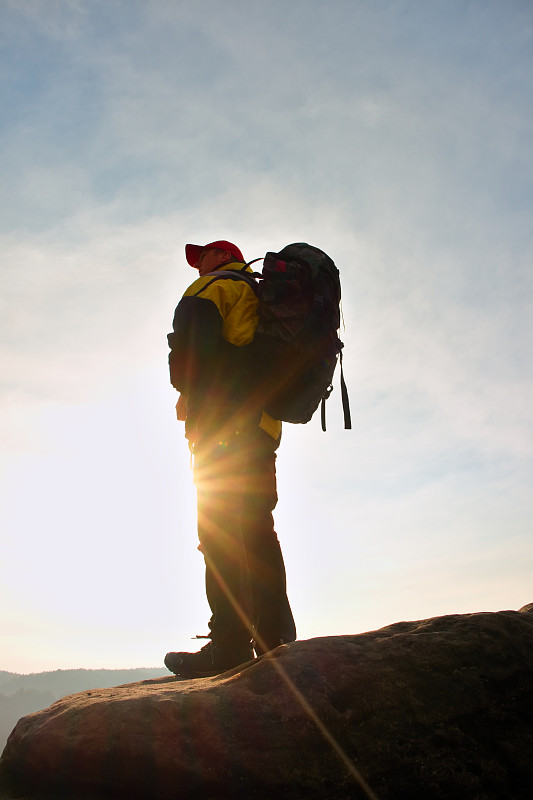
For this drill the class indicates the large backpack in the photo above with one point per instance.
(296, 346)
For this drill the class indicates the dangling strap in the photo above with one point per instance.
(323, 406)
(345, 401)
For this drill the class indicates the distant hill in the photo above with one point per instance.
(5, 676)
(24, 694)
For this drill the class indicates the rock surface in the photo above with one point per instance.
(433, 709)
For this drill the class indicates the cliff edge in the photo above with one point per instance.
(440, 708)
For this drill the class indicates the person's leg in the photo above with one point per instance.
(272, 615)
(220, 537)
(218, 479)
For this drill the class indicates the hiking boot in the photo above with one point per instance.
(212, 659)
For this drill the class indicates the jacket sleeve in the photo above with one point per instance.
(202, 363)
(194, 342)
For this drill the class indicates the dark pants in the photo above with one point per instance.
(245, 574)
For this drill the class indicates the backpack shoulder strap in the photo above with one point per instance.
(247, 277)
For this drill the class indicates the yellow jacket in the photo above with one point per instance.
(209, 359)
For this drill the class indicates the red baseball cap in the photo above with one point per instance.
(192, 251)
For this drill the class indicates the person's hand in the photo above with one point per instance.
(181, 408)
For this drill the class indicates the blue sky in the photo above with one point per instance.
(394, 135)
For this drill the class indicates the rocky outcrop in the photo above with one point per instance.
(24, 694)
(438, 708)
